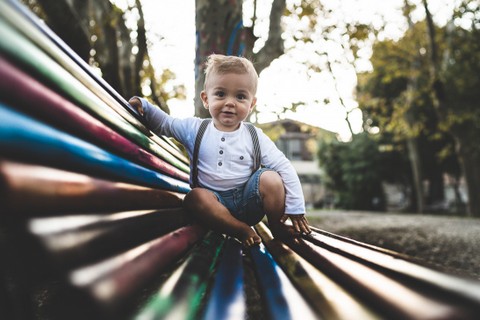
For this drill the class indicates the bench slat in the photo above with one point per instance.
(58, 192)
(282, 300)
(24, 138)
(32, 28)
(31, 96)
(17, 48)
(113, 281)
(182, 294)
(226, 298)
(80, 239)
(461, 294)
(324, 296)
(363, 282)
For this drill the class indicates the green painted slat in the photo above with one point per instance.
(47, 41)
(38, 32)
(180, 297)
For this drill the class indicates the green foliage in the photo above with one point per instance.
(460, 74)
(353, 173)
(396, 96)
(388, 102)
(406, 102)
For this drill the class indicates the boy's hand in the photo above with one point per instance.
(299, 221)
(136, 104)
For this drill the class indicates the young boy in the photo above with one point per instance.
(230, 197)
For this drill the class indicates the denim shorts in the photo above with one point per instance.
(245, 203)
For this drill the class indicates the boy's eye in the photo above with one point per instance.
(241, 96)
(220, 93)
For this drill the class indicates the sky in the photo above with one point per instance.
(286, 80)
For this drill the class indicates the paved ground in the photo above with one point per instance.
(450, 244)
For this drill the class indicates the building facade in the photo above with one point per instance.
(298, 141)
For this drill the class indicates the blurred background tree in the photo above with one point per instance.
(354, 172)
(220, 29)
(428, 104)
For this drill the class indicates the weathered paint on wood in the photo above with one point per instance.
(182, 294)
(326, 298)
(41, 35)
(274, 291)
(226, 298)
(114, 280)
(33, 97)
(362, 281)
(74, 240)
(25, 54)
(460, 293)
(32, 190)
(24, 138)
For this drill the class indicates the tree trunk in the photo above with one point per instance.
(142, 50)
(469, 158)
(436, 186)
(414, 156)
(106, 44)
(412, 143)
(65, 19)
(220, 30)
(471, 171)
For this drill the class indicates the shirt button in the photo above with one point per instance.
(241, 157)
(223, 139)
(220, 164)
(221, 152)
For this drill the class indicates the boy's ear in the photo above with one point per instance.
(254, 102)
(204, 97)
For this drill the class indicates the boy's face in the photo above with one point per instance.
(229, 98)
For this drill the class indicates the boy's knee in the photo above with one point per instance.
(196, 198)
(192, 197)
(270, 181)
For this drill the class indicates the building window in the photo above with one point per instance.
(295, 146)
(292, 148)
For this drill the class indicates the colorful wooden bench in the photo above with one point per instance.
(92, 225)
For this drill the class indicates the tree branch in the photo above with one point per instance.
(273, 47)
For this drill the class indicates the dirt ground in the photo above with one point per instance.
(449, 244)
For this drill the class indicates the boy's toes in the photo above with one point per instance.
(252, 241)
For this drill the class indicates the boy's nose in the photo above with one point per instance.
(230, 102)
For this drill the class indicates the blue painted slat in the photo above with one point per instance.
(272, 288)
(24, 138)
(227, 300)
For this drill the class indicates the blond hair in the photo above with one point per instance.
(221, 64)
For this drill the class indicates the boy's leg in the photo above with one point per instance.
(272, 191)
(204, 207)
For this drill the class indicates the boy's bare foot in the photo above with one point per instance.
(249, 237)
(252, 241)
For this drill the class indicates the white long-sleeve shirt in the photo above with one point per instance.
(226, 158)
